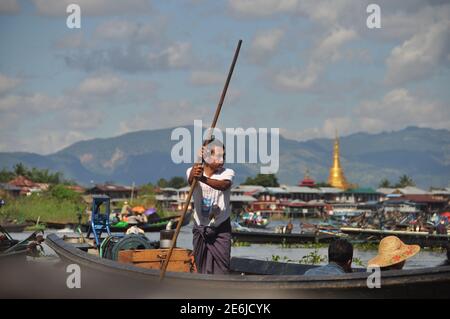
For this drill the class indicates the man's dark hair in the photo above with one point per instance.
(340, 251)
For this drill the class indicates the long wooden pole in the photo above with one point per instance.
(194, 183)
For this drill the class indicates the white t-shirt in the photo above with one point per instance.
(207, 199)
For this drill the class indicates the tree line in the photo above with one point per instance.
(35, 174)
(403, 181)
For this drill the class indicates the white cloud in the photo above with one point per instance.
(331, 13)
(101, 85)
(46, 141)
(123, 29)
(206, 78)
(9, 7)
(397, 109)
(30, 104)
(93, 7)
(400, 108)
(80, 120)
(178, 54)
(132, 58)
(420, 56)
(170, 114)
(70, 41)
(264, 44)
(262, 7)
(325, 52)
(8, 83)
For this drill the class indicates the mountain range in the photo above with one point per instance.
(145, 156)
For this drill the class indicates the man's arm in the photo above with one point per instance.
(221, 185)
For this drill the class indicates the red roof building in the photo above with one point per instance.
(22, 181)
(307, 181)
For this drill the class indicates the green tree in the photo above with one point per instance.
(405, 181)
(162, 182)
(385, 183)
(20, 169)
(177, 182)
(62, 193)
(6, 176)
(147, 189)
(266, 180)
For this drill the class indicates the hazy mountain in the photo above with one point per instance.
(145, 156)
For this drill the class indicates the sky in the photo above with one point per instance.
(305, 67)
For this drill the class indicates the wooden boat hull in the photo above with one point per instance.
(135, 281)
(274, 238)
(252, 225)
(16, 228)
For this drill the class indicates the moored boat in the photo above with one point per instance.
(280, 238)
(423, 239)
(16, 228)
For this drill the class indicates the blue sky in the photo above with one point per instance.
(306, 67)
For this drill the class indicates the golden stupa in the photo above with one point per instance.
(337, 178)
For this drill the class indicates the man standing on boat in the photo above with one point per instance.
(212, 228)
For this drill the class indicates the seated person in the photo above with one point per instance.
(392, 254)
(141, 218)
(340, 256)
(114, 219)
(126, 210)
(289, 227)
(441, 229)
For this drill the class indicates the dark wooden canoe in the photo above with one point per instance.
(16, 228)
(282, 281)
(274, 238)
(418, 238)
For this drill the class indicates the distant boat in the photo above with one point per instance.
(152, 226)
(254, 220)
(278, 238)
(423, 239)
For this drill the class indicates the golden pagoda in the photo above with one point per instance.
(337, 178)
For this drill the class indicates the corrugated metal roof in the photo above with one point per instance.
(302, 189)
(410, 190)
(331, 190)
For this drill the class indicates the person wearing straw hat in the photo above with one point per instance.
(392, 254)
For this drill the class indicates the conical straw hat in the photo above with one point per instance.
(392, 251)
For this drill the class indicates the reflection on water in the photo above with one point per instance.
(425, 258)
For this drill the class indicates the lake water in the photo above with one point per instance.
(425, 258)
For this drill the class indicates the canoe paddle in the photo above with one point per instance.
(194, 183)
